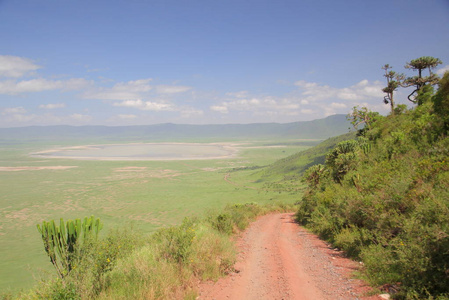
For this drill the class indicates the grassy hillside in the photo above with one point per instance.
(295, 165)
(384, 198)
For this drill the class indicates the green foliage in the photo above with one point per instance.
(315, 175)
(285, 175)
(177, 240)
(425, 94)
(400, 109)
(222, 223)
(160, 192)
(342, 159)
(362, 116)
(420, 81)
(55, 290)
(165, 265)
(391, 87)
(61, 242)
(386, 200)
(441, 101)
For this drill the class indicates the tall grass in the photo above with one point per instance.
(166, 265)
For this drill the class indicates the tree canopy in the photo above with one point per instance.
(421, 82)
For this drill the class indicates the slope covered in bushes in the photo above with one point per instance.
(384, 198)
(296, 164)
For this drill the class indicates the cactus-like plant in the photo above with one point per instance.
(61, 242)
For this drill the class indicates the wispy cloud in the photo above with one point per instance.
(145, 105)
(310, 99)
(15, 66)
(52, 105)
(241, 94)
(172, 89)
(307, 111)
(13, 110)
(442, 70)
(80, 118)
(312, 91)
(260, 104)
(131, 90)
(126, 117)
(220, 108)
(14, 87)
(170, 102)
(189, 112)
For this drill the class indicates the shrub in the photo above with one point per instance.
(222, 223)
(176, 240)
(388, 203)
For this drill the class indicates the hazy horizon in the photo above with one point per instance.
(171, 123)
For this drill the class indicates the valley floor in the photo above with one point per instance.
(278, 259)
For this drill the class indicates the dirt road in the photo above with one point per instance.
(280, 260)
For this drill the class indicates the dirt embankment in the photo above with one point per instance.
(280, 260)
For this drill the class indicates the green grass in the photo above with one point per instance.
(164, 265)
(161, 194)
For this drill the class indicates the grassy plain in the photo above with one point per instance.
(145, 194)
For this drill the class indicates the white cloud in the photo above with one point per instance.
(338, 105)
(172, 89)
(14, 110)
(347, 94)
(130, 90)
(190, 112)
(145, 105)
(80, 118)
(222, 109)
(21, 118)
(52, 105)
(241, 94)
(127, 117)
(307, 111)
(312, 92)
(442, 70)
(264, 105)
(13, 87)
(75, 84)
(14, 66)
(305, 84)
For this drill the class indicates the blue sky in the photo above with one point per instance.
(139, 62)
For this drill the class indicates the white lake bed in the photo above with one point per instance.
(143, 151)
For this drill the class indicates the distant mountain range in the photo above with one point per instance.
(316, 129)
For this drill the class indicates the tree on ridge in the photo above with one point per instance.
(392, 86)
(420, 81)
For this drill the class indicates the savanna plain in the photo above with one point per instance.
(141, 194)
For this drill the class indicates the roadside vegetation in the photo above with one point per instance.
(165, 265)
(380, 193)
(383, 197)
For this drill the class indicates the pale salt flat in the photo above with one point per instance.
(143, 151)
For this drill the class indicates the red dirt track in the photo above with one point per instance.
(278, 259)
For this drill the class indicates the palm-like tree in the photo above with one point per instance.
(392, 86)
(420, 64)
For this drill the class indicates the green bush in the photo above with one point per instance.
(387, 200)
(177, 240)
(223, 223)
